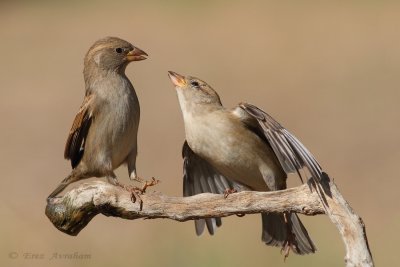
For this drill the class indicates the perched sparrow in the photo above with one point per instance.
(104, 133)
(240, 149)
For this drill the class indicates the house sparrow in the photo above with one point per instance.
(104, 133)
(240, 149)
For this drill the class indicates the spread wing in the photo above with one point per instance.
(291, 153)
(74, 147)
(200, 177)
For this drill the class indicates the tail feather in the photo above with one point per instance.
(211, 223)
(64, 183)
(199, 226)
(304, 242)
(276, 232)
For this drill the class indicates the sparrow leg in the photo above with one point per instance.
(229, 191)
(135, 195)
(131, 161)
(290, 241)
(285, 250)
(135, 191)
(146, 183)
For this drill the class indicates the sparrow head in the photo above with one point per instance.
(193, 92)
(113, 54)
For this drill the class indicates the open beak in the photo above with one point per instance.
(177, 79)
(136, 54)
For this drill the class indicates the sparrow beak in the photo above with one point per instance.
(136, 54)
(177, 79)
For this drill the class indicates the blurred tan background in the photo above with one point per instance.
(327, 71)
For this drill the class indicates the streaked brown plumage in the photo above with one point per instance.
(104, 132)
(244, 149)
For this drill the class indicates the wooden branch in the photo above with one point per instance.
(350, 226)
(72, 212)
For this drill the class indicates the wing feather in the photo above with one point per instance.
(200, 177)
(291, 153)
(74, 147)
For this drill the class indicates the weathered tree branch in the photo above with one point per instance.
(72, 212)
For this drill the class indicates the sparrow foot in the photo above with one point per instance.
(290, 242)
(285, 249)
(146, 183)
(135, 193)
(150, 183)
(229, 191)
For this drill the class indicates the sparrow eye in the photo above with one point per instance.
(194, 84)
(119, 50)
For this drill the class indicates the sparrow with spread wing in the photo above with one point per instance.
(241, 149)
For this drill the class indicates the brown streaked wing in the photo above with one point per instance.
(74, 147)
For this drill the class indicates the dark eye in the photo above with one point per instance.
(194, 84)
(119, 50)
